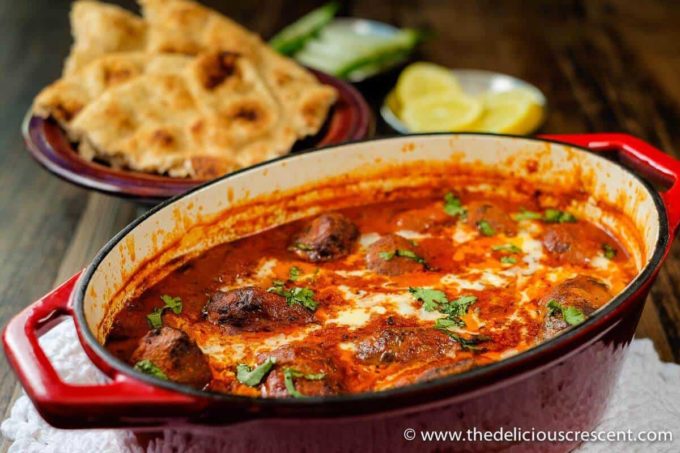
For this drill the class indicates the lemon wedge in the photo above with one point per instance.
(439, 112)
(421, 79)
(510, 112)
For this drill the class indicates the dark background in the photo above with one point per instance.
(605, 65)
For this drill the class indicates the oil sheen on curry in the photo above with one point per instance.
(374, 297)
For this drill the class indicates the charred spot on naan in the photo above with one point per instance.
(115, 76)
(252, 115)
(215, 67)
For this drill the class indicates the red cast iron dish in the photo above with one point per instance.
(562, 384)
(349, 119)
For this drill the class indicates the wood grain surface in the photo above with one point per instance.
(605, 65)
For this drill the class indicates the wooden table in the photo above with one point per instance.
(605, 65)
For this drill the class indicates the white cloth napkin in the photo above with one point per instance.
(647, 398)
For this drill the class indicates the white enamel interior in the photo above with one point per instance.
(110, 284)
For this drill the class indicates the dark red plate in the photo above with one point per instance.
(349, 119)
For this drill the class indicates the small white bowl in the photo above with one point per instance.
(473, 82)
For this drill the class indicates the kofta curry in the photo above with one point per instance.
(376, 296)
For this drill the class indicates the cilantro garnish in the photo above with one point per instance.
(509, 248)
(431, 298)
(525, 214)
(457, 308)
(466, 343)
(148, 367)
(435, 300)
(253, 376)
(550, 215)
(609, 251)
(453, 206)
(508, 260)
(289, 374)
(296, 295)
(387, 255)
(402, 253)
(155, 318)
(571, 315)
(485, 228)
(557, 216)
(302, 246)
(294, 273)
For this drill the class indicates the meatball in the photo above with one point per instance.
(499, 220)
(582, 292)
(306, 359)
(403, 345)
(176, 355)
(327, 237)
(421, 219)
(566, 242)
(254, 309)
(393, 255)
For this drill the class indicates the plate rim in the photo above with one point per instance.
(350, 119)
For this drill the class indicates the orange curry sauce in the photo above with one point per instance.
(472, 295)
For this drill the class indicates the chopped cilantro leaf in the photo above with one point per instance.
(525, 214)
(302, 296)
(253, 376)
(509, 248)
(571, 315)
(155, 318)
(485, 228)
(295, 295)
(508, 260)
(294, 273)
(554, 307)
(173, 303)
(467, 343)
(609, 251)
(302, 246)
(445, 323)
(453, 206)
(435, 300)
(557, 216)
(402, 253)
(458, 307)
(289, 374)
(387, 255)
(148, 367)
(550, 215)
(410, 255)
(431, 298)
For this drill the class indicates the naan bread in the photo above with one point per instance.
(99, 29)
(64, 99)
(180, 26)
(187, 27)
(213, 117)
(184, 91)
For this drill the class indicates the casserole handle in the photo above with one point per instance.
(651, 161)
(67, 405)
